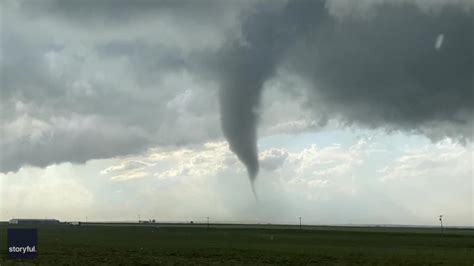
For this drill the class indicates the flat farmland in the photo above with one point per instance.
(184, 244)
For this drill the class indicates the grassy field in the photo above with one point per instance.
(195, 245)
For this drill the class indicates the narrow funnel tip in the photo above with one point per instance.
(252, 184)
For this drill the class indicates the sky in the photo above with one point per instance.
(338, 111)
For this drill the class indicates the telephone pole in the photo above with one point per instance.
(441, 222)
(207, 222)
(300, 222)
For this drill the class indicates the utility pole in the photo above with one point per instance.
(138, 218)
(207, 222)
(300, 222)
(441, 221)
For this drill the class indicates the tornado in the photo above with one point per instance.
(239, 102)
(239, 123)
(246, 63)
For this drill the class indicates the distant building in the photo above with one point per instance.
(33, 221)
(147, 222)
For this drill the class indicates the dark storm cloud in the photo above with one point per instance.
(128, 75)
(71, 92)
(63, 144)
(386, 70)
(124, 11)
(383, 70)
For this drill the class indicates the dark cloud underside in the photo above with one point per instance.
(96, 79)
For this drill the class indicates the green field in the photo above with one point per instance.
(244, 245)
